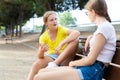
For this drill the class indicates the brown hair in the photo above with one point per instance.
(100, 8)
(47, 14)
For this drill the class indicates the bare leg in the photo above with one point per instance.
(58, 73)
(64, 58)
(69, 51)
(38, 64)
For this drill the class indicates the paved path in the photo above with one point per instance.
(16, 59)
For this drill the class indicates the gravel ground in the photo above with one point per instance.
(16, 57)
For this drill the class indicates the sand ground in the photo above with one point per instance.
(17, 57)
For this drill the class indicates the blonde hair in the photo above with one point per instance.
(99, 6)
(47, 14)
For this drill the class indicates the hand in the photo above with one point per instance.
(44, 47)
(87, 43)
(86, 46)
(72, 64)
(57, 50)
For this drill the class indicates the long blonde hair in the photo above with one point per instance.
(47, 14)
(45, 18)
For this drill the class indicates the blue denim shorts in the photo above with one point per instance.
(92, 72)
(53, 56)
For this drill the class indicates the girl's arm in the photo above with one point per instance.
(87, 43)
(93, 54)
(72, 35)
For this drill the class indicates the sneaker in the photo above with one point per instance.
(51, 64)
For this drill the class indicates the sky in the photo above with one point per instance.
(82, 18)
(113, 10)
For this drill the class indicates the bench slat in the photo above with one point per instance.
(112, 64)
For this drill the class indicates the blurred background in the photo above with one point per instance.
(21, 24)
(25, 16)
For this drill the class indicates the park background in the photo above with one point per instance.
(18, 54)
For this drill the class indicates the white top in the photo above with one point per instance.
(109, 33)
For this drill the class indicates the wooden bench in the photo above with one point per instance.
(113, 70)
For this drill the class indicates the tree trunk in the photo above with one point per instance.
(20, 21)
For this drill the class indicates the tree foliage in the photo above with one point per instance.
(57, 5)
(14, 13)
(81, 3)
(66, 19)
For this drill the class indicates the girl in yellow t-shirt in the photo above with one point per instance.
(57, 45)
(101, 44)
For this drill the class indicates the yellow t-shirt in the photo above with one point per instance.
(52, 44)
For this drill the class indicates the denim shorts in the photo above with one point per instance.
(53, 56)
(92, 72)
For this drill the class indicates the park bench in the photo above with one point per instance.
(8, 38)
(113, 70)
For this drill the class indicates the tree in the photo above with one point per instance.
(15, 13)
(40, 6)
(59, 6)
(67, 19)
(81, 3)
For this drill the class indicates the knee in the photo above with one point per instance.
(39, 77)
(36, 77)
(75, 42)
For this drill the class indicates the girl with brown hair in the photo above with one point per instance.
(102, 49)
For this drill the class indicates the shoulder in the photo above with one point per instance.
(106, 29)
(62, 28)
(106, 26)
(44, 34)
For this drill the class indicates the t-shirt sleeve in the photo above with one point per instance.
(42, 39)
(64, 30)
(105, 31)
